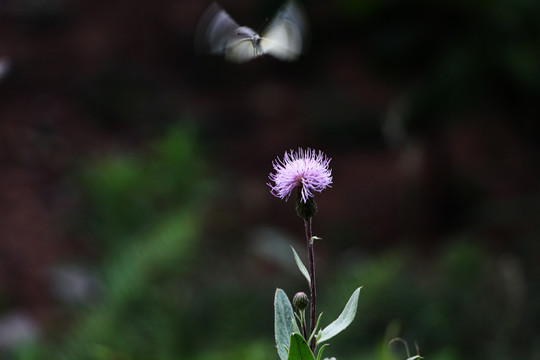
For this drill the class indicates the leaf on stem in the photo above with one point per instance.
(319, 354)
(315, 329)
(344, 319)
(313, 238)
(299, 349)
(301, 266)
(283, 323)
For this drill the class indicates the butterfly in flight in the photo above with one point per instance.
(283, 38)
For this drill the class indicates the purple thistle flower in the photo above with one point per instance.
(305, 168)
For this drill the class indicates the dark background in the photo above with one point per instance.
(135, 219)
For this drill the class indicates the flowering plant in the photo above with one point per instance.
(308, 172)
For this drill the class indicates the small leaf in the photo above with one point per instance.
(316, 327)
(319, 354)
(299, 349)
(415, 357)
(344, 319)
(283, 323)
(313, 238)
(301, 266)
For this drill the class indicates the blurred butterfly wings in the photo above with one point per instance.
(243, 46)
(216, 28)
(283, 38)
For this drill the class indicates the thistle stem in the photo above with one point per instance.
(313, 289)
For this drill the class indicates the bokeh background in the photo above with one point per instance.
(135, 219)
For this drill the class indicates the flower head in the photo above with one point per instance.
(300, 301)
(305, 168)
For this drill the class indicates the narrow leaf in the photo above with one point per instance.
(316, 327)
(344, 319)
(319, 354)
(313, 238)
(301, 266)
(283, 322)
(299, 349)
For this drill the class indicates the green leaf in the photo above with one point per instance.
(319, 354)
(344, 319)
(283, 322)
(301, 266)
(316, 327)
(313, 238)
(299, 349)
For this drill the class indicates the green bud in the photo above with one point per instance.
(306, 210)
(300, 301)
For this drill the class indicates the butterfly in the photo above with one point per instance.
(283, 38)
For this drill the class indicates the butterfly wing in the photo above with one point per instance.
(242, 47)
(218, 33)
(284, 37)
(214, 31)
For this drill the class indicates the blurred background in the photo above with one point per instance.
(135, 219)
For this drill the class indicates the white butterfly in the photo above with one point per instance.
(283, 38)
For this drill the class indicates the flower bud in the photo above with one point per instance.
(300, 301)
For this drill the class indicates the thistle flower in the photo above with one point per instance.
(304, 168)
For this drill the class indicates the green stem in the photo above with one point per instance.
(303, 321)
